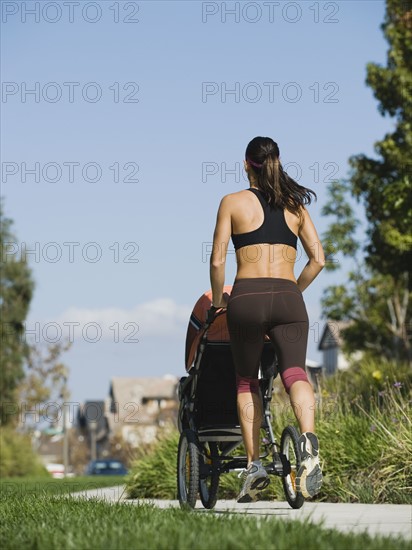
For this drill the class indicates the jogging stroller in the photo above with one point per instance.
(208, 420)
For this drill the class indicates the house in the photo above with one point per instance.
(330, 344)
(138, 407)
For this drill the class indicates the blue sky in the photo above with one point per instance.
(153, 138)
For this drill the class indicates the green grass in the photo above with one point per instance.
(40, 486)
(47, 522)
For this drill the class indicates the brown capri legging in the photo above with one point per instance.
(274, 307)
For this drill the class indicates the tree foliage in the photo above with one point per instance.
(384, 184)
(16, 291)
(340, 235)
(45, 379)
(376, 295)
(378, 307)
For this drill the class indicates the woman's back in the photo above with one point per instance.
(262, 259)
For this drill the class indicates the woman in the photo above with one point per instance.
(264, 223)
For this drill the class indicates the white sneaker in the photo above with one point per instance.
(309, 476)
(256, 479)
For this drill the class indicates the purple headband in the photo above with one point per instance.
(254, 163)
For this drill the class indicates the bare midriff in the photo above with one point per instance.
(266, 260)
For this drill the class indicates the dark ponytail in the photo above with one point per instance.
(281, 190)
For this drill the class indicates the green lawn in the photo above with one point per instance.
(38, 515)
(22, 486)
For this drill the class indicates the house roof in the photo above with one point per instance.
(332, 336)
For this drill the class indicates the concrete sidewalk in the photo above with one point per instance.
(376, 519)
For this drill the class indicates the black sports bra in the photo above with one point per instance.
(274, 229)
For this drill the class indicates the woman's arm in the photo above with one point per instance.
(313, 248)
(221, 238)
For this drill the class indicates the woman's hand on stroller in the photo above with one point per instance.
(211, 313)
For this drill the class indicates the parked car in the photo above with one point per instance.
(106, 467)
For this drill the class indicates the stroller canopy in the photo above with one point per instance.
(217, 332)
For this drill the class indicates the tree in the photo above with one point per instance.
(44, 386)
(16, 291)
(378, 307)
(376, 296)
(377, 304)
(385, 184)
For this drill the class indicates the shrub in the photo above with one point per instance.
(17, 457)
(366, 379)
(154, 472)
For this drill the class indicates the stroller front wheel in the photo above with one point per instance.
(187, 470)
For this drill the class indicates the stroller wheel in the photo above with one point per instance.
(209, 476)
(290, 449)
(187, 470)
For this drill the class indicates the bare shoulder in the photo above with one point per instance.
(235, 198)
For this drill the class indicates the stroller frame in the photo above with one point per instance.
(204, 452)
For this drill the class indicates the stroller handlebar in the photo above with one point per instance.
(212, 313)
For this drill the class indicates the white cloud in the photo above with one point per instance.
(157, 317)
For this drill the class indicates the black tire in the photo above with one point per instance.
(289, 448)
(209, 486)
(187, 470)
